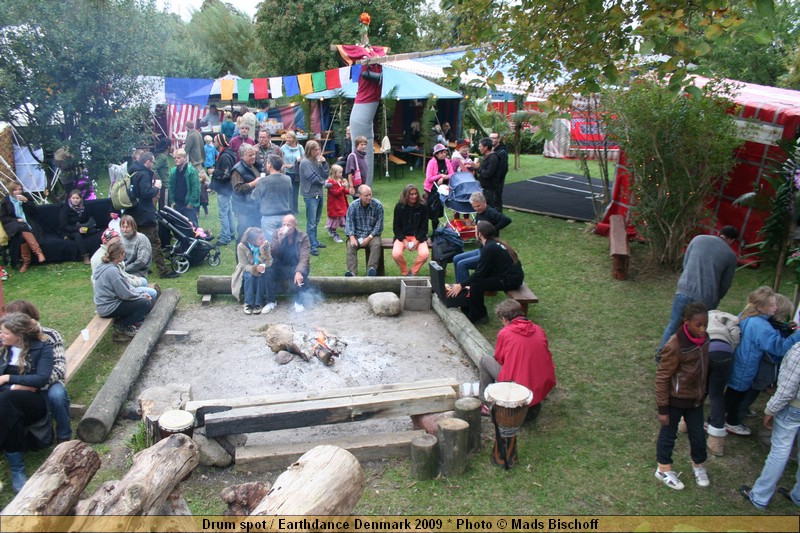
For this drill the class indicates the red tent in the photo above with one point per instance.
(772, 114)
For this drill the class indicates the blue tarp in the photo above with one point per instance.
(409, 87)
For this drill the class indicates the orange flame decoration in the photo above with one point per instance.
(322, 338)
(365, 18)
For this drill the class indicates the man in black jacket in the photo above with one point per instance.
(146, 188)
(221, 184)
(502, 152)
(489, 173)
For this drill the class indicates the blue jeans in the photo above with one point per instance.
(464, 262)
(785, 428)
(313, 214)
(59, 406)
(147, 290)
(270, 223)
(255, 289)
(225, 218)
(675, 317)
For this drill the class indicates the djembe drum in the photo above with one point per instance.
(175, 421)
(509, 407)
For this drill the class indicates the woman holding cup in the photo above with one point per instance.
(410, 230)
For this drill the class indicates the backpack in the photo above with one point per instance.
(446, 245)
(122, 195)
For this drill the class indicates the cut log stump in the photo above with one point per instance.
(469, 410)
(453, 444)
(325, 481)
(425, 457)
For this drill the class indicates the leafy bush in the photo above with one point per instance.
(679, 149)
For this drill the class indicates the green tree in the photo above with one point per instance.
(744, 56)
(70, 74)
(437, 28)
(185, 51)
(297, 36)
(228, 38)
(580, 46)
(679, 149)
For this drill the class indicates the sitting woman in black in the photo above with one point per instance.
(76, 224)
(498, 269)
(18, 216)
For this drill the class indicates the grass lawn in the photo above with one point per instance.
(592, 450)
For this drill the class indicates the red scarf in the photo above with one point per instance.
(694, 340)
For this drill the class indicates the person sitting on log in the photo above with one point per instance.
(17, 214)
(521, 355)
(138, 252)
(410, 230)
(291, 255)
(115, 298)
(26, 364)
(57, 395)
(138, 284)
(466, 261)
(498, 269)
(253, 259)
(76, 224)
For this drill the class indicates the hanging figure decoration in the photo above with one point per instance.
(369, 93)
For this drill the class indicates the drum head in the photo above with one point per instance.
(176, 420)
(508, 394)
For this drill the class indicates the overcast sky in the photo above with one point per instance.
(184, 8)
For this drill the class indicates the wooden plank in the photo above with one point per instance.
(524, 296)
(268, 457)
(201, 407)
(619, 249)
(206, 300)
(80, 349)
(330, 411)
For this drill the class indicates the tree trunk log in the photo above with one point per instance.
(425, 457)
(325, 481)
(243, 499)
(155, 474)
(326, 284)
(472, 341)
(96, 423)
(175, 505)
(469, 410)
(57, 485)
(453, 435)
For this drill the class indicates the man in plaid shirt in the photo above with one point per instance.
(363, 227)
(782, 415)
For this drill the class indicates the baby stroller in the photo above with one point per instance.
(192, 245)
(455, 198)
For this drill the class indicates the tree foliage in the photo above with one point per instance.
(578, 46)
(228, 38)
(296, 36)
(679, 149)
(69, 71)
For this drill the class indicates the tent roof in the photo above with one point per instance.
(409, 87)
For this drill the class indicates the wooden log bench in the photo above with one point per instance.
(619, 249)
(231, 416)
(80, 349)
(524, 296)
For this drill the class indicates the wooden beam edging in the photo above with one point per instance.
(355, 285)
(472, 341)
(96, 424)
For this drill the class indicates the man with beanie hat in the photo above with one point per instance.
(221, 183)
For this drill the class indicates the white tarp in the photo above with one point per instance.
(30, 175)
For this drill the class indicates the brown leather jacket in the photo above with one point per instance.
(682, 373)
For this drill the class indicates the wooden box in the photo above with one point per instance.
(415, 294)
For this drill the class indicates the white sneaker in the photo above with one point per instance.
(701, 476)
(269, 307)
(739, 429)
(248, 310)
(670, 479)
(298, 308)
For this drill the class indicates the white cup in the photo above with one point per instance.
(85, 334)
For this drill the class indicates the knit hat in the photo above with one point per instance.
(109, 234)
(439, 148)
(462, 142)
(222, 140)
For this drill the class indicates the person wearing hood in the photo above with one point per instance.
(147, 186)
(521, 355)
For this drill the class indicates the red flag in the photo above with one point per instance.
(260, 88)
(332, 80)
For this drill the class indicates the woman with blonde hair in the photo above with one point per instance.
(293, 152)
(26, 364)
(758, 339)
(313, 175)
